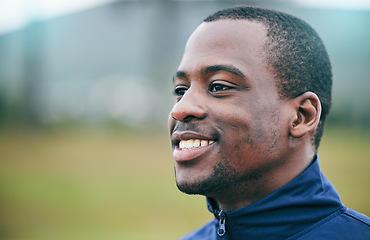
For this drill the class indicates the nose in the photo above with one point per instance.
(190, 106)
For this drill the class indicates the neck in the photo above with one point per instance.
(249, 192)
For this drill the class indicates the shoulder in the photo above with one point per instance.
(358, 216)
(203, 233)
(342, 224)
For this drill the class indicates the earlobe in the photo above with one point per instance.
(307, 114)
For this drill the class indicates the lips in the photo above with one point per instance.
(190, 145)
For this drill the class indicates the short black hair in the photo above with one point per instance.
(295, 53)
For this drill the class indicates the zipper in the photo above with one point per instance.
(221, 226)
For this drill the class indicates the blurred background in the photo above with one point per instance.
(85, 90)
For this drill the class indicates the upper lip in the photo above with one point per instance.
(177, 136)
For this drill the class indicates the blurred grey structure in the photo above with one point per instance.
(114, 63)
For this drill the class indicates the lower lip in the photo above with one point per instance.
(190, 154)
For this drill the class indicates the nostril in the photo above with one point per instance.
(190, 117)
(189, 107)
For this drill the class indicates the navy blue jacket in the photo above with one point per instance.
(308, 207)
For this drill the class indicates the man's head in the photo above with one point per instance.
(243, 124)
(295, 53)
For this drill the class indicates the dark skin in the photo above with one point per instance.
(226, 96)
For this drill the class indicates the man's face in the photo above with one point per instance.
(228, 127)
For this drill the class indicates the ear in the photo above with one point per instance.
(307, 114)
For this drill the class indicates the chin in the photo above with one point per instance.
(207, 183)
(193, 186)
(188, 189)
(188, 185)
(207, 187)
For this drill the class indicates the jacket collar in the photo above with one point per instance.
(286, 211)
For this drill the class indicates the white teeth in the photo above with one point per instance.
(194, 143)
(182, 144)
(189, 143)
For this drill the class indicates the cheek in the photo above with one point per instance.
(237, 138)
(250, 137)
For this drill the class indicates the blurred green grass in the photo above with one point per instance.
(72, 183)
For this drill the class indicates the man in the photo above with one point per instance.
(253, 90)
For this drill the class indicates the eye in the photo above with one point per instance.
(180, 91)
(217, 87)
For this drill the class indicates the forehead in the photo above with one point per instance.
(228, 34)
(225, 40)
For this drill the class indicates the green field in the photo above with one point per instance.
(82, 184)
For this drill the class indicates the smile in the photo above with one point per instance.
(191, 149)
(194, 143)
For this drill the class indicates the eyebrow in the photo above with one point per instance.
(179, 74)
(212, 69)
(226, 68)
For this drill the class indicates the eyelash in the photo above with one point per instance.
(180, 90)
(214, 85)
(177, 91)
